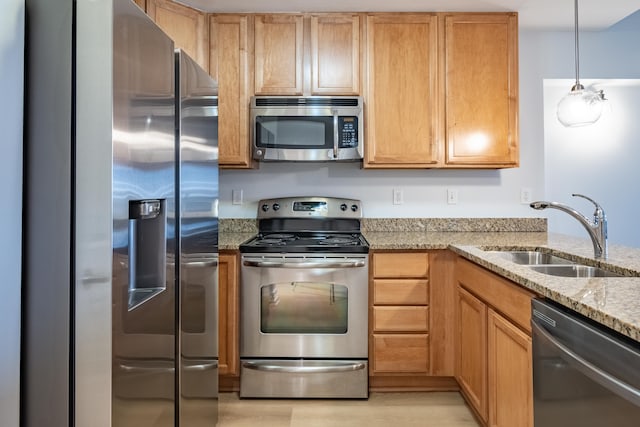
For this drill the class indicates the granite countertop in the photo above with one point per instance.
(611, 301)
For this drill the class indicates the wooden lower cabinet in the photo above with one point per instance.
(402, 353)
(471, 359)
(228, 322)
(510, 372)
(493, 347)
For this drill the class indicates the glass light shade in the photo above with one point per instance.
(580, 107)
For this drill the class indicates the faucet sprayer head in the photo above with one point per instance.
(539, 205)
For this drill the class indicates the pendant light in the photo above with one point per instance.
(580, 106)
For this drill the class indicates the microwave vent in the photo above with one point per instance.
(302, 102)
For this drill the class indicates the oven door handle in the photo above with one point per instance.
(596, 374)
(270, 367)
(330, 264)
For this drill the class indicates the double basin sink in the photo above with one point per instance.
(555, 265)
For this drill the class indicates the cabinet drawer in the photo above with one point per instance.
(400, 319)
(400, 353)
(399, 265)
(401, 291)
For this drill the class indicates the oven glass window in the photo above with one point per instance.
(303, 308)
(294, 132)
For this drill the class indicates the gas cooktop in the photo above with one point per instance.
(308, 224)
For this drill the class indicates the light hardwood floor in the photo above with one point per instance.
(432, 409)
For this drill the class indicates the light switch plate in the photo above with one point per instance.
(236, 197)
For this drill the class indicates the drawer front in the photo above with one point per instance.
(400, 319)
(401, 353)
(401, 292)
(400, 265)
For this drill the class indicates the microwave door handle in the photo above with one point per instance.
(335, 133)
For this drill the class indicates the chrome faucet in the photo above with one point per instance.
(597, 228)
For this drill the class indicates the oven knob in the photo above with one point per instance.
(265, 207)
(276, 207)
(354, 208)
(343, 207)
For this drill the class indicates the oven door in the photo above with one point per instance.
(304, 306)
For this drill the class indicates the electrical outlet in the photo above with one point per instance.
(398, 196)
(452, 196)
(525, 196)
(236, 197)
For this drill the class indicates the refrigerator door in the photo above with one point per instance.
(198, 242)
(144, 222)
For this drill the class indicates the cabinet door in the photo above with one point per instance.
(186, 26)
(471, 350)
(278, 54)
(401, 92)
(510, 374)
(229, 64)
(481, 90)
(335, 55)
(142, 4)
(228, 315)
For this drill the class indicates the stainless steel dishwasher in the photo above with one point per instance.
(583, 374)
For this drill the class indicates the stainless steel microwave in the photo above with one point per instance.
(307, 129)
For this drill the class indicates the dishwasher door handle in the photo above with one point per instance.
(615, 385)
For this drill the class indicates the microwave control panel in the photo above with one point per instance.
(347, 131)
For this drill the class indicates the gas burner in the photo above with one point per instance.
(348, 240)
(279, 236)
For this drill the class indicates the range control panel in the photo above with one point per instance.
(305, 207)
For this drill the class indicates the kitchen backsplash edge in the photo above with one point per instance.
(249, 225)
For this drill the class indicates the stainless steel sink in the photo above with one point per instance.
(533, 258)
(576, 270)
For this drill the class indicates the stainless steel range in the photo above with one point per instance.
(304, 299)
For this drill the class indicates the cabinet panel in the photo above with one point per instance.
(228, 315)
(278, 54)
(230, 65)
(401, 91)
(335, 54)
(471, 350)
(507, 298)
(408, 353)
(481, 92)
(510, 374)
(401, 291)
(186, 26)
(400, 265)
(142, 4)
(401, 319)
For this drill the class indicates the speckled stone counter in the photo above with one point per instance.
(613, 302)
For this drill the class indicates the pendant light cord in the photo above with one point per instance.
(577, 55)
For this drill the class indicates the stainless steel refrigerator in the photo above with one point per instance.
(121, 229)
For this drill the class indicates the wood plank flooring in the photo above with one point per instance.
(429, 409)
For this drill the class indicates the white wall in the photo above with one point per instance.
(598, 160)
(543, 55)
(11, 88)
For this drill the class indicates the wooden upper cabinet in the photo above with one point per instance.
(230, 64)
(335, 54)
(278, 54)
(141, 3)
(481, 89)
(186, 26)
(402, 116)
